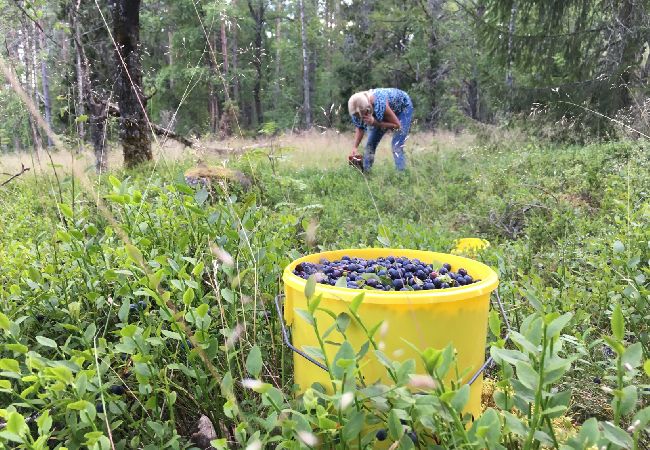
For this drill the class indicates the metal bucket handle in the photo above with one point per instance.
(287, 340)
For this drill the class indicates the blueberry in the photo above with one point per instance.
(382, 273)
(433, 275)
(398, 283)
(390, 259)
(393, 273)
(597, 380)
(371, 282)
(353, 285)
(420, 274)
(417, 287)
(381, 435)
(133, 306)
(468, 279)
(117, 389)
(452, 275)
(142, 304)
(404, 289)
(386, 288)
(447, 266)
(429, 286)
(462, 272)
(99, 408)
(460, 281)
(443, 271)
(345, 258)
(413, 436)
(409, 267)
(444, 286)
(437, 283)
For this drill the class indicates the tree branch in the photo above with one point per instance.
(23, 169)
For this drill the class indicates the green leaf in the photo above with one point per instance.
(66, 210)
(201, 196)
(343, 321)
(618, 323)
(618, 247)
(558, 324)
(356, 302)
(629, 397)
(254, 361)
(306, 315)
(527, 375)
(495, 323)
(314, 302)
(46, 342)
(588, 434)
(633, 355)
(188, 296)
(79, 405)
(460, 399)
(395, 428)
(134, 253)
(16, 424)
(18, 348)
(646, 367)
(81, 118)
(509, 356)
(9, 365)
(310, 286)
(5, 323)
(203, 309)
(617, 436)
(341, 282)
(354, 426)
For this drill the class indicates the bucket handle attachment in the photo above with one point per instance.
(285, 335)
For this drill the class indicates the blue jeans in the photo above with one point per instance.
(399, 139)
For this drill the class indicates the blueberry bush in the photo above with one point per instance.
(137, 311)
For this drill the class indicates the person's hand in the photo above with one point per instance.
(370, 120)
(355, 151)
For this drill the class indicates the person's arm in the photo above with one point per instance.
(390, 122)
(358, 135)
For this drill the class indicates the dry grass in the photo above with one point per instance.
(324, 150)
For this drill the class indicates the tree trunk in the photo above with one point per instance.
(511, 33)
(235, 59)
(434, 69)
(213, 96)
(97, 123)
(170, 53)
(45, 83)
(278, 54)
(258, 17)
(305, 66)
(81, 82)
(134, 130)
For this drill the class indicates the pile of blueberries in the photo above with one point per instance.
(384, 273)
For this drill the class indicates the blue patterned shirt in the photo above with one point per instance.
(397, 99)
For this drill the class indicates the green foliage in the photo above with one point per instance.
(142, 337)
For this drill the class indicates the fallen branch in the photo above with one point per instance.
(23, 169)
(238, 150)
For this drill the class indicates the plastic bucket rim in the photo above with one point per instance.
(453, 294)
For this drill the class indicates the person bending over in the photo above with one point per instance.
(377, 111)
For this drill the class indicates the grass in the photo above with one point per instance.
(568, 228)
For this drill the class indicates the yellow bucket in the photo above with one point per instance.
(432, 318)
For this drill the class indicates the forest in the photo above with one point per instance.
(191, 258)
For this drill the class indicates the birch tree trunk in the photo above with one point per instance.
(45, 82)
(305, 66)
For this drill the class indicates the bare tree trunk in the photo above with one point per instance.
(213, 96)
(278, 54)
(45, 83)
(305, 66)
(170, 53)
(81, 82)
(511, 33)
(258, 17)
(235, 60)
(134, 130)
(433, 71)
(224, 48)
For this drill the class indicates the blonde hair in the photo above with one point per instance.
(359, 103)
